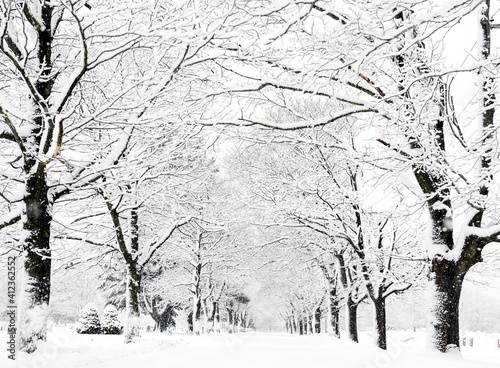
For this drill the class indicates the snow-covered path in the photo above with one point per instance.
(253, 350)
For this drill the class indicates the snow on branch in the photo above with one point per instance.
(489, 232)
(13, 135)
(10, 218)
(291, 126)
(151, 249)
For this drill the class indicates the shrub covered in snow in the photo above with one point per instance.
(110, 323)
(89, 322)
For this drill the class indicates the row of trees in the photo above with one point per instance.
(103, 142)
(381, 69)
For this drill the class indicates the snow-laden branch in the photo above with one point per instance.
(395, 289)
(155, 244)
(13, 134)
(489, 232)
(10, 218)
(78, 74)
(80, 180)
(291, 126)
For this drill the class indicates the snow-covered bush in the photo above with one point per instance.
(110, 323)
(89, 322)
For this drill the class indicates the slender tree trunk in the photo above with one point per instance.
(380, 323)
(334, 315)
(217, 317)
(335, 322)
(215, 307)
(205, 315)
(317, 320)
(197, 286)
(196, 313)
(351, 305)
(132, 328)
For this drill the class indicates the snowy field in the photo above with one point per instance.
(66, 349)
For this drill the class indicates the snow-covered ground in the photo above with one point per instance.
(66, 349)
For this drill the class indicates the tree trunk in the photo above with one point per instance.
(352, 319)
(380, 323)
(445, 288)
(335, 322)
(205, 315)
(215, 316)
(134, 274)
(132, 307)
(35, 293)
(334, 316)
(351, 305)
(37, 218)
(196, 313)
(317, 320)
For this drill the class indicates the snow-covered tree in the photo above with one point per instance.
(384, 63)
(110, 323)
(48, 55)
(89, 321)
